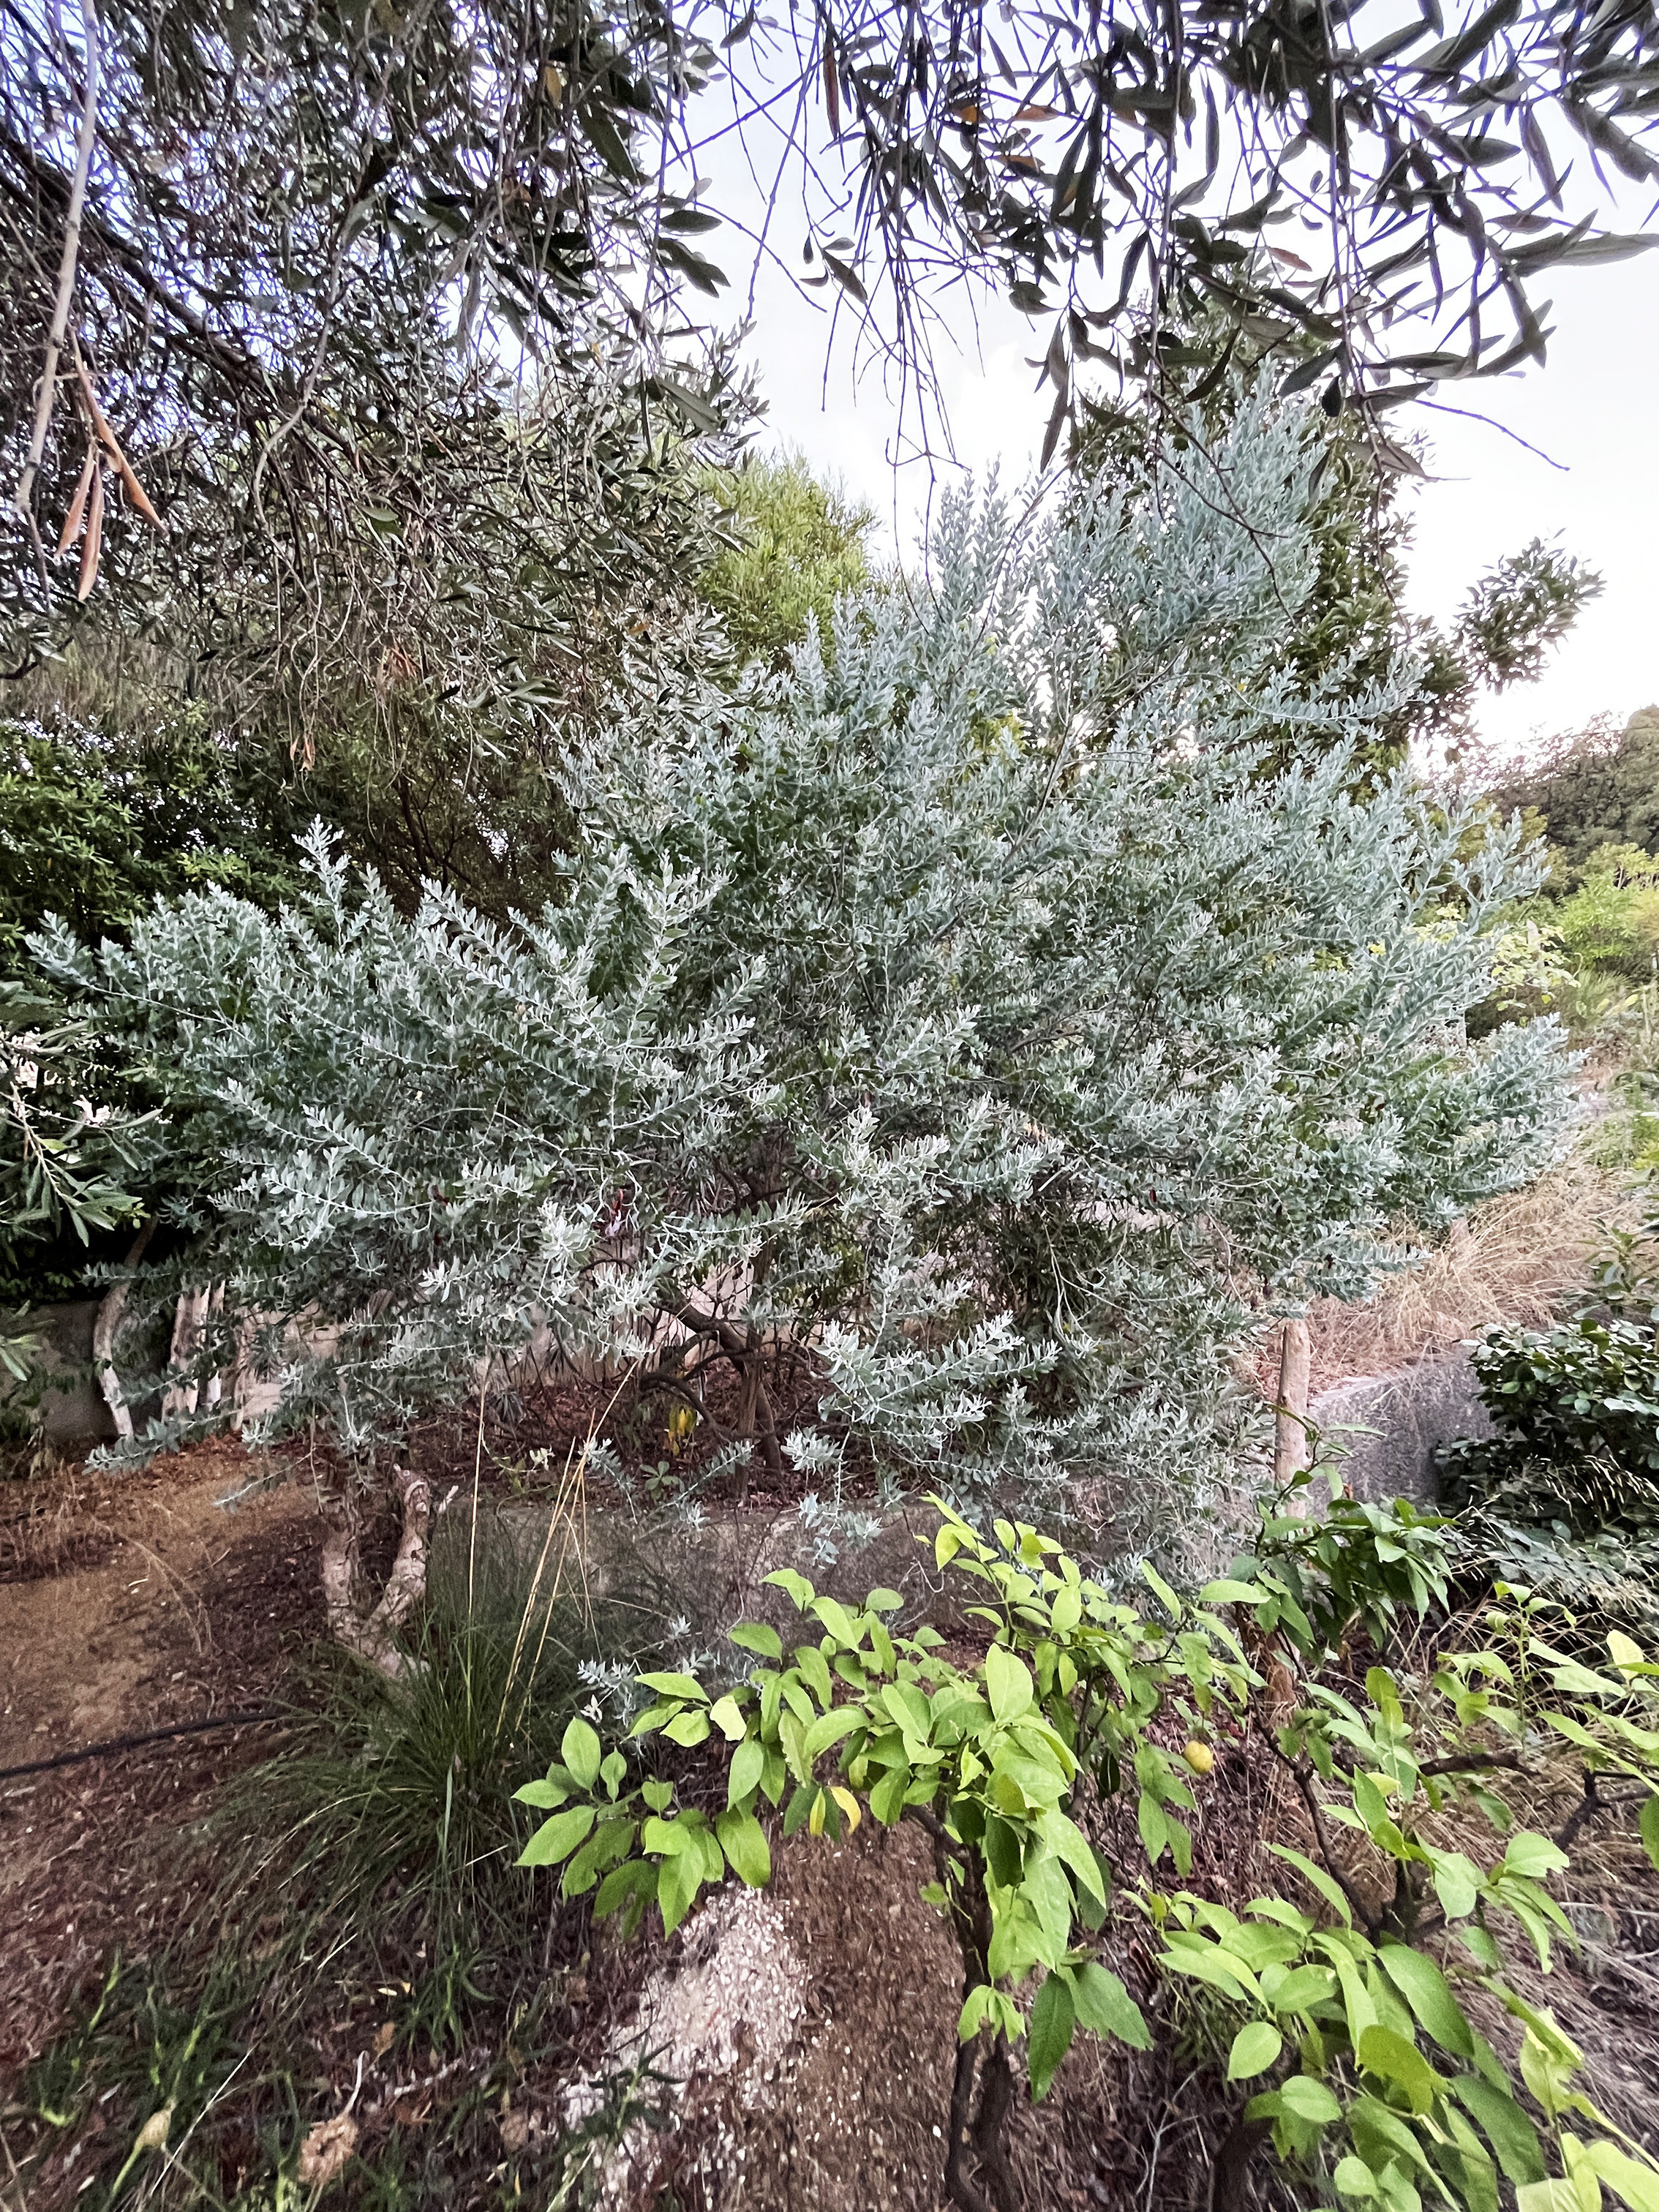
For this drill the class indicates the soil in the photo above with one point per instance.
(130, 1604)
(813, 2027)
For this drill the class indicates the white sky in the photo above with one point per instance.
(1591, 410)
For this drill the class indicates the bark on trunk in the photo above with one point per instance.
(213, 1389)
(105, 1330)
(372, 1635)
(189, 1320)
(1292, 1449)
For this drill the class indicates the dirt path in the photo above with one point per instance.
(126, 1605)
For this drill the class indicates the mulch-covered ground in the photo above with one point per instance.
(827, 2043)
(125, 1607)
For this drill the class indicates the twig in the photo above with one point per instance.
(1303, 1775)
(22, 498)
(1472, 1762)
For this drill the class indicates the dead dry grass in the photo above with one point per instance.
(1514, 1259)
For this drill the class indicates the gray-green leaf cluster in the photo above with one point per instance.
(951, 1039)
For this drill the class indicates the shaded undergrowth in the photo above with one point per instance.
(359, 2006)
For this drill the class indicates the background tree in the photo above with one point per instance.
(800, 545)
(1350, 628)
(1594, 786)
(260, 203)
(94, 825)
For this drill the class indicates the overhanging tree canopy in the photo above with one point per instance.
(276, 190)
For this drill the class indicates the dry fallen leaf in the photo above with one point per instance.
(325, 2150)
(154, 2134)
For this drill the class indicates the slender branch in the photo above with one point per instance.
(22, 498)
(1592, 1801)
(1473, 1762)
(1302, 1774)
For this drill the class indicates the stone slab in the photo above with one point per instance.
(1384, 1429)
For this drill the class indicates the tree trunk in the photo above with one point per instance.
(1292, 1449)
(213, 1389)
(984, 2076)
(371, 1635)
(1229, 2185)
(189, 1320)
(105, 1330)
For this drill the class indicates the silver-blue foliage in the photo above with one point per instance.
(973, 1019)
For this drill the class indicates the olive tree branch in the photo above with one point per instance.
(22, 497)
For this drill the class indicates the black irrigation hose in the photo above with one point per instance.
(149, 1735)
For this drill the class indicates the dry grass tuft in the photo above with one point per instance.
(1514, 1259)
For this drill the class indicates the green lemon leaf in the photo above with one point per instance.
(544, 1795)
(744, 1842)
(1317, 1875)
(579, 1751)
(1227, 1592)
(828, 1729)
(727, 1717)
(1067, 1842)
(556, 1838)
(839, 1622)
(1008, 1683)
(1649, 1825)
(1512, 2135)
(1457, 1884)
(1302, 1987)
(815, 1669)
(748, 1765)
(1429, 1994)
(679, 1879)
(1309, 2101)
(1638, 2183)
(633, 1879)
(1105, 2008)
(1052, 2020)
(887, 1797)
(1385, 2051)
(676, 1685)
(1534, 1855)
(796, 1586)
(909, 1708)
(611, 1841)
(1254, 2050)
(1154, 1828)
(1353, 2178)
(687, 1729)
(755, 1636)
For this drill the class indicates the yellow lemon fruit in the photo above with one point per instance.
(1200, 1757)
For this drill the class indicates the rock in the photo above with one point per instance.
(1383, 1430)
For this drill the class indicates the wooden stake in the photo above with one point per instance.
(1293, 1450)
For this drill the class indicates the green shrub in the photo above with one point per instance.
(1565, 1496)
(1368, 2069)
(800, 549)
(1610, 923)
